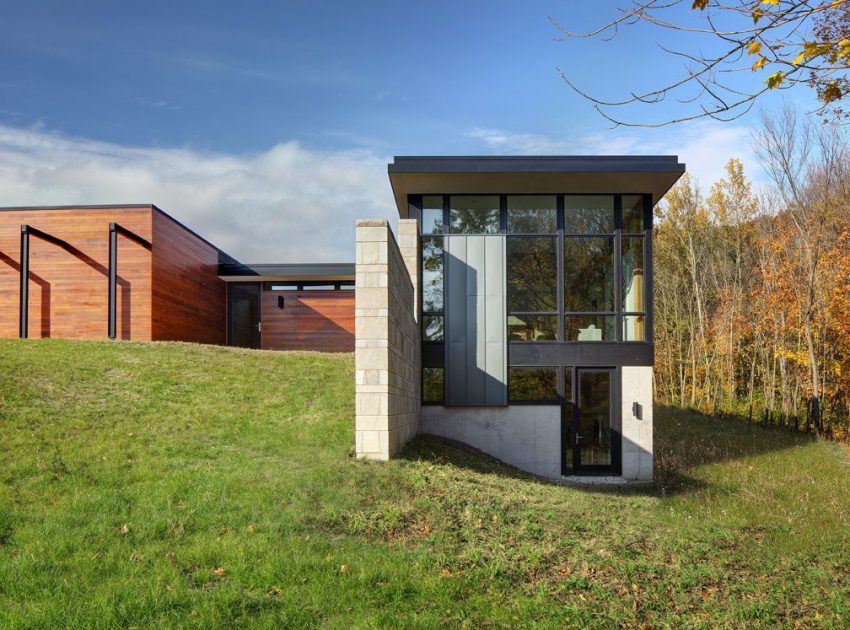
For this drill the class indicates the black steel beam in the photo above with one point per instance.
(112, 309)
(26, 232)
(25, 274)
(113, 276)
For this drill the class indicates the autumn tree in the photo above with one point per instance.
(778, 44)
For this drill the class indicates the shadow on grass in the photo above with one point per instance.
(684, 441)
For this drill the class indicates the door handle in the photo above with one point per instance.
(578, 436)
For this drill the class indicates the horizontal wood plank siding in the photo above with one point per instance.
(314, 320)
(68, 288)
(188, 296)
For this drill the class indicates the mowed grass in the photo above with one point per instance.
(174, 485)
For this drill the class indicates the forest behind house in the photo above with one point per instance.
(752, 284)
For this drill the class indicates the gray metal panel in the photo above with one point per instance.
(455, 322)
(495, 334)
(476, 329)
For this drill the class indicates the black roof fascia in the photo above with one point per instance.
(287, 269)
(536, 164)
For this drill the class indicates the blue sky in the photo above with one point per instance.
(273, 110)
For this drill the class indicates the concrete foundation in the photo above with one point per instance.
(527, 436)
(636, 419)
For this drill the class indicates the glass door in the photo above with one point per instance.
(592, 445)
(243, 314)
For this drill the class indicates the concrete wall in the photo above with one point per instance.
(636, 387)
(387, 345)
(525, 436)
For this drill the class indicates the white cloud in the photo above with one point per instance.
(508, 142)
(705, 147)
(286, 204)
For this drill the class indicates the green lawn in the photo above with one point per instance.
(157, 485)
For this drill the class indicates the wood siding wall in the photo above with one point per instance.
(188, 297)
(310, 320)
(68, 287)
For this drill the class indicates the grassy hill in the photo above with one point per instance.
(179, 485)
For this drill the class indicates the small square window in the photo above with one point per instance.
(433, 384)
(590, 328)
(634, 327)
(432, 215)
(536, 384)
(633, 216)
(530, 214)
(474, 215)
(588, 214)
(432, 327)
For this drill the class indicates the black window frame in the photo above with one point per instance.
(565, 354)
(303, 285)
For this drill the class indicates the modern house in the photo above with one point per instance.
(512, 312)
(530, 337)
(134, 272)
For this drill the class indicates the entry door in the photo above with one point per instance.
(243, 314)
(593, 445)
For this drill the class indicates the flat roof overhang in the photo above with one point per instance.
(307, 272)
(575, 174)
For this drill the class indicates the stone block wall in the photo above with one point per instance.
(387, 346)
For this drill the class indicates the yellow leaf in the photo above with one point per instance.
(759, 64)
(799, 58)
(754, 48)
(831, 93)
(775, 79)
(771, 2)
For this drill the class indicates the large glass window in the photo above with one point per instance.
(589, 274)
(532, 214)
(532, 274)
(575, 264)
(537, 384)
(474, 214)
(589, 268)
(532, 285)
